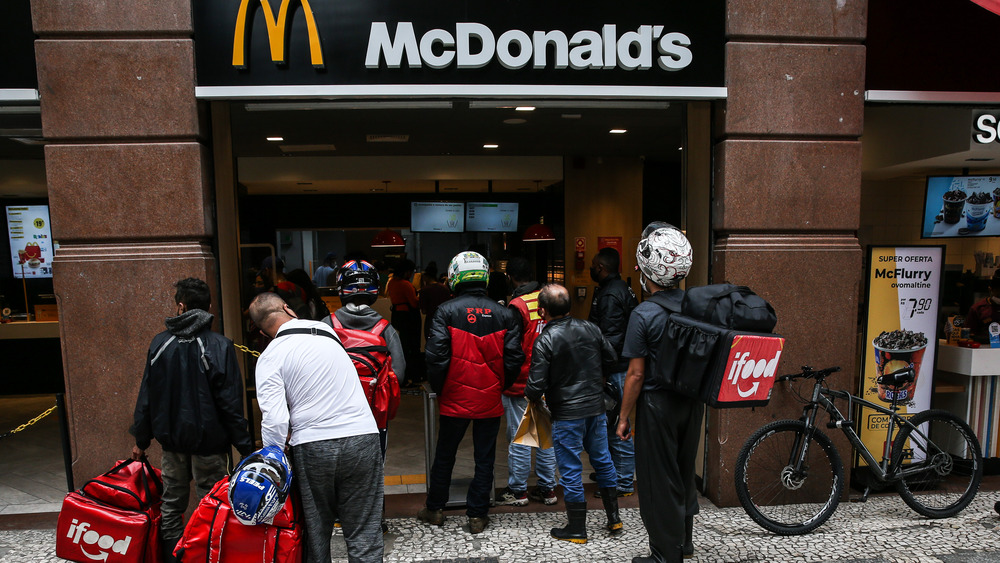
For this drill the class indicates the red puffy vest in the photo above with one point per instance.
(527, 307)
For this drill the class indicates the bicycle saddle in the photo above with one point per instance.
(897, 378)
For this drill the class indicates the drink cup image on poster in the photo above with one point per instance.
(31, 244)
(904, 285)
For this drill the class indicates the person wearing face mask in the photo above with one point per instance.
(984, 312)
(610, 310)
(667, 424)
(191, 402)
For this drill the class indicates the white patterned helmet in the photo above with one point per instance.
(663, 254)
(468, 267)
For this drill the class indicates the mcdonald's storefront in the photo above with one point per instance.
(157, 163)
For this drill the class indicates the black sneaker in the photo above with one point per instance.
(512, 498)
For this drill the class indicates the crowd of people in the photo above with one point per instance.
(484, 358)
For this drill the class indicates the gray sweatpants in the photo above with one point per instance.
(177, 472)
(341, 478)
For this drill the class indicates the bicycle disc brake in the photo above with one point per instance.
(791, 479)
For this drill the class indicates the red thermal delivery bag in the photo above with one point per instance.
(214, 535)
(113, 518)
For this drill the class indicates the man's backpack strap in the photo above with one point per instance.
(671, 305)
(379, 327)
(313, 331)
(333, 322)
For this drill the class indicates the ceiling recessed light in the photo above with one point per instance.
(680, 148)
(525, 108)
(617, 131)
(515, 121)
(572, 115)
(491, 146)
(276, 139)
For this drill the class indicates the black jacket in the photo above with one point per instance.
(191, 397)
(613, 304)
(568, 365)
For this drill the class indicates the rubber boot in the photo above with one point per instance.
(610, 498)
(576, 530)
(688, 549)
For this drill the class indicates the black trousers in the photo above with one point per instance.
(407, 324)
(666, 443)
(451, 430)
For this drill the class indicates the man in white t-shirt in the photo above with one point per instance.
(310, 397)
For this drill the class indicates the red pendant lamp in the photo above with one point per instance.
(539, 232)
(388, 238)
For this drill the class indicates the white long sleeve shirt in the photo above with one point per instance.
(308, 382)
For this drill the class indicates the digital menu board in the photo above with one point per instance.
(437, 217)
(962, 206)
(491, 217)
(30, 240)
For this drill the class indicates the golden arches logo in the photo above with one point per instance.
(276, 32)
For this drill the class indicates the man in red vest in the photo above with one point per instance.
(524, 302)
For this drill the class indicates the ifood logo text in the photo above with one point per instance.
(474, 45)
(80, 532)
(750, 368)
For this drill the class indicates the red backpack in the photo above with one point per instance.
(370, 354)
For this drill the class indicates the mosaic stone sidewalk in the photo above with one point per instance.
(883, 530)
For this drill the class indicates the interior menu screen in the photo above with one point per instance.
(491, 217)
(30, 240)
(437, 217)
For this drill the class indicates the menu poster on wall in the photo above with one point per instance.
(962, 206)
(437, 217)
(491, 217)
(904, 287)
(30, 240)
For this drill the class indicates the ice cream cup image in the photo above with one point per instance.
(996, 203)
(954, 204)
(888, 360)
(978, 207)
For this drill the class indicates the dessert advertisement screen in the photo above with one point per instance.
(437, 217)
(491, 217)
(30, 240)
(962, 206)
(904, 287)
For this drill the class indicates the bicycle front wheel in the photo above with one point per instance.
(939, 464)
(781, 494)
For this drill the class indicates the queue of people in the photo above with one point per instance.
(484, 359)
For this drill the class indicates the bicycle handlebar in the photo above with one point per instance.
(809, 373)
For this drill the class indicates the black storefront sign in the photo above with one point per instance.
(17, 43)
(323, 43)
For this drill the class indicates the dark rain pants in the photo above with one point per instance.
(666, 442)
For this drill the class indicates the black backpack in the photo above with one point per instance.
(730, 306)
(702, 333)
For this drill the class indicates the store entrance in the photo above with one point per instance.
(330, 178)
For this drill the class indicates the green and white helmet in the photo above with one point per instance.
(468, 267)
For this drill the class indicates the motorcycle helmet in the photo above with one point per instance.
(468, 267)
(663, 254)
(260, 485)
(357, 277)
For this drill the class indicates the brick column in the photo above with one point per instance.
(129, 195)
(787, 193)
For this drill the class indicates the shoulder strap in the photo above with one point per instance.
(379, 327)
(313, 331)
(335, 322)
(660, 299)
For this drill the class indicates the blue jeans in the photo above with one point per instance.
(571, 437)
(622, 451)
(519, 455)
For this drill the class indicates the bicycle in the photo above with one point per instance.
(789, 486)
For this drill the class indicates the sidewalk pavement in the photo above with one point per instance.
(882, 530)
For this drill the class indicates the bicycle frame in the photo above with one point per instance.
(821, 397)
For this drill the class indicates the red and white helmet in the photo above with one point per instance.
(663, 254)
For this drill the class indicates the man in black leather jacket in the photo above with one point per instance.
(613, 303)
(191, 402)
(568, 364)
